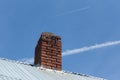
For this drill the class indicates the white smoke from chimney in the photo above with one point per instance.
(97, 46)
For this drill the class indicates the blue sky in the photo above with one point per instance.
(79, 22)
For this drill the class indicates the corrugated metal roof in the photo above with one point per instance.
(13, 70)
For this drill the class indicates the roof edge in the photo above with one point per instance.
(41, 68)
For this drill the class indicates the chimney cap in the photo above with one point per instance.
(47, 33)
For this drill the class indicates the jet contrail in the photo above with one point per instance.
(27, 60)
(79, 50)
(97, 46)
(73, 11)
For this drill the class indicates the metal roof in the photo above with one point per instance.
(13, 70)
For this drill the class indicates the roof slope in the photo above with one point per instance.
(13, 70)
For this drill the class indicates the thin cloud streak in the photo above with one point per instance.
(27, 60)
(77, 51)
(97, 46)
(73, 11)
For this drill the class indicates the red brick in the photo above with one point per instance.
(49, 50)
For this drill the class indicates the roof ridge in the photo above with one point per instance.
(68, 72)
(42, 68)
(20, 62)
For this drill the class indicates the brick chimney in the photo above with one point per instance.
(48, 51)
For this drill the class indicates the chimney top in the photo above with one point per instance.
(48, 51)
(47, 33)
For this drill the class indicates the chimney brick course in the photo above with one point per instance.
(48, 51)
